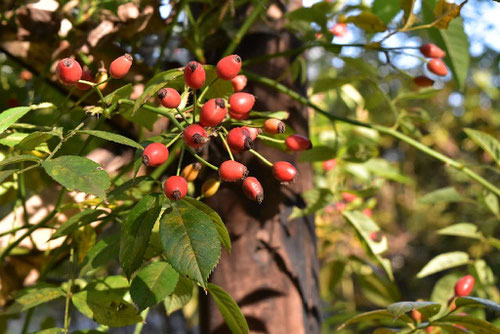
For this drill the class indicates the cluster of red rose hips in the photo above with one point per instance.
(434, 65)
(212, 114)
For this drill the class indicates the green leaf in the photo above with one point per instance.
(152, 284)
(229, 309)
(442, 262)
(33, 140)
(78, 173)
(78, 220)
(318, 153)
(181, 296)
(6, 173)
(316, 200)
(421, 94)
(428, 309)
(122, 188)
(383, 168)
(135, 233)
(220, 88)
(219, 224)
(18, 158)
(315, 13)
(10, 116)
(281, 115)
(103, 251)
(476, 325)
(443, 195)
(113, 137)
(486, 142)
(50, 331)
(466, 230)
(491, 202)
(474, 301)
(106, 308)
(376, 315)
(443, 289)
(12, 139)
(185, 228)
(33, 296)
(121, 93)
(385, 9)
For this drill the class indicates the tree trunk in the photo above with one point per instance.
(272, 272)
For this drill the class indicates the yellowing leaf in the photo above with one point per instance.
(367, 21)
(444, 12)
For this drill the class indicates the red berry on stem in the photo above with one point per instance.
(274, 126)
(87, 76)
(228, 67)
(464, 286)
(175, 187)
(239, 82)
(169, 97)
(239, 140)
(349, 197)
(437, 66)
(241, 103)
(232, 171)
(298, 143)
(339, 29)
(213, 112)
(423, 81)
(194, 75)
(155, 154)
(284, 171)
(254, 132)
(253, 189)
(430, 50)
(68, 71)
(195, 136)
(120, 66)
(329, 164)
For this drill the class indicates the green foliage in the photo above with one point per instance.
(229, 310)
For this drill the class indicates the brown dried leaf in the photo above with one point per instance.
(444, 12)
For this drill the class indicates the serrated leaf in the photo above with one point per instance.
(475, 301)
(376, 316)
(121, 93)
(180, 297)
(78, 173)
(467, 230)
(443, 195)
(33, 296)
(488, 143)
(229, 309)
(385, 9)
(78, 220)
(428, 309)
(152, 284)
(136, 231)
(442, 262)
(106, 308)
(476, 325)
(185, 228)
(103, 251)
(219, 224)
(113, 137)
(18, 158)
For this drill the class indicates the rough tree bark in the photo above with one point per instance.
(272, 272)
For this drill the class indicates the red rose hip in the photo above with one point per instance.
(430, 50)
(298, 143)
(239, 140)
(254, 132)
(328, 165)
(464, 286)
(68, 71)
(238, 117)
(339, 30)
(423, 81)
(195, 136)
(437, 66)
(232, 171)
(169, 97)
(194, 75)
(274, 126)
(228, 67)
(241, 103)
(120, 66)
(284, 171)
(239, 82)
(87, 76)
(175, 187)
(253, 189)
(213, 112)
(155, 154)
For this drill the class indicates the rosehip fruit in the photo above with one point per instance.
(239, 117)
(120, 66)
(194, 75)
(241, 103)
(464, 286)
(416, 315)
(254, 132)
(155, 154)
(68, 71)
(339, 29)
(239, 82)
(274, 126)
(213, 112)
(210, 187)
(239, 140)
(195, 136)
(169, 97)
(298, 143)
(329, 164)
(175, 187)
(349, 197)
(430, 50)
(191, 171)
(232, 171)
(367, 212)
(284, 171)
(423, 81)
(228, 67)
(87, 76)
(437, 66)
(253, 189)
